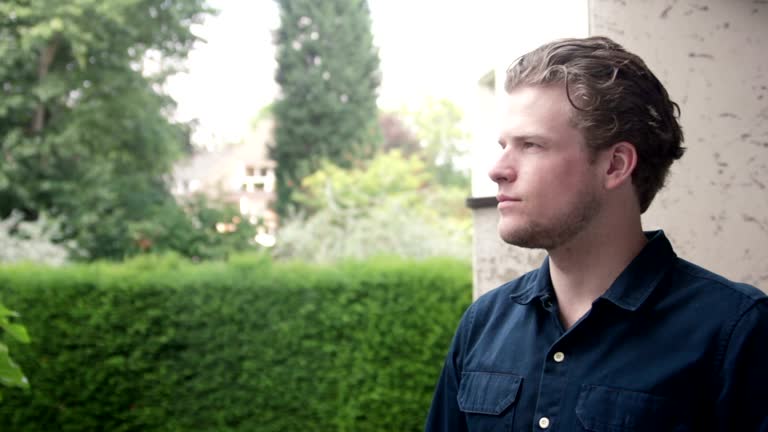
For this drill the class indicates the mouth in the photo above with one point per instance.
(504, 198)
(507, 201)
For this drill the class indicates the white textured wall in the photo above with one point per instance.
(713, 58)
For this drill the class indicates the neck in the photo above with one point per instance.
(584, 268)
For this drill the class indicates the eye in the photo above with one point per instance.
(530, 145)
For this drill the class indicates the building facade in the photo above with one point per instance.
(240, 174)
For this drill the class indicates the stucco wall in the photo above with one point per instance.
(713, 58)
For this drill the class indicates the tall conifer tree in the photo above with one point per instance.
(328, 72)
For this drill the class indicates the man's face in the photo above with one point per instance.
(549, 189)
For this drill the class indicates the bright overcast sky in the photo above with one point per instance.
(437, 48)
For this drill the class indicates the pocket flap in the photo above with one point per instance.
(605, 409)
(487, 392)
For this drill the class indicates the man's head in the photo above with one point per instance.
(588, 137)
(614, 98)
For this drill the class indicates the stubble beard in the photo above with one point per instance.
(551, 234)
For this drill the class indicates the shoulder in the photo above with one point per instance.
(710, 284)
(714, 300)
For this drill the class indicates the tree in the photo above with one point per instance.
(200, 229)
(83, 130)
(328, 72)
(437, 124)
(387, 175)
(389, 205)
(397, 135)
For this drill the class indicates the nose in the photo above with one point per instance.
(503, 170)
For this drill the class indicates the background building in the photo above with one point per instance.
(240, 174)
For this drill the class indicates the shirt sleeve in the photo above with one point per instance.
(743, 400)
(444, 414)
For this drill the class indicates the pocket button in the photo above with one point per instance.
(544, 422)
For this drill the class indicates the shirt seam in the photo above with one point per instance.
(726, 343)
(467, 330)
(725, 284)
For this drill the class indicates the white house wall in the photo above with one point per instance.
(713, 58)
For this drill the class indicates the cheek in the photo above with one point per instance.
(558, 185)
(555, 175)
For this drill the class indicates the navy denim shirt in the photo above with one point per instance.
(669, 347)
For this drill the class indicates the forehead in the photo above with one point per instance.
(536, 110)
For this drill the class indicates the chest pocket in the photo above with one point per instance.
(604, 409)
(488, 399)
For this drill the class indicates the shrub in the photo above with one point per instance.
(32, 241)
(391, 227)
(389, 205)
(10, 373)
(241, 346)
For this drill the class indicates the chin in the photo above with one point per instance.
(516, 235)
(524, 242)
(526, 236)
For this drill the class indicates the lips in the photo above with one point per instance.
(506, 201)
(505, 198)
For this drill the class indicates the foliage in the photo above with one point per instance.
(437, 124)
(84, 132)
(397, 135)
(391, 228)
(191, 230)
(328, 72)
(392, 205)
(10, 373)
(239, 346)
(31, 241)
(387, 175)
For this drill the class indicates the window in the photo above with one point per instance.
(250, 170)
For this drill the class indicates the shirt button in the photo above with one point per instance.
(559, 357)
(543, 422)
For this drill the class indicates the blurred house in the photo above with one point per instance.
(240, 174)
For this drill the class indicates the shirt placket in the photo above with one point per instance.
(554, 375)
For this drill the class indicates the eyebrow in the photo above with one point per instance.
(524, 137)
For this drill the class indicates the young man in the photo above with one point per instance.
(613, 332)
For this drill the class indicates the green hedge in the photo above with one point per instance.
(159, 344)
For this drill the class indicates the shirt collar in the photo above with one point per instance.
(628, 291)
(641, 276)
(537, 284)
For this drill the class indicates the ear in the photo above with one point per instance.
(621, 159)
